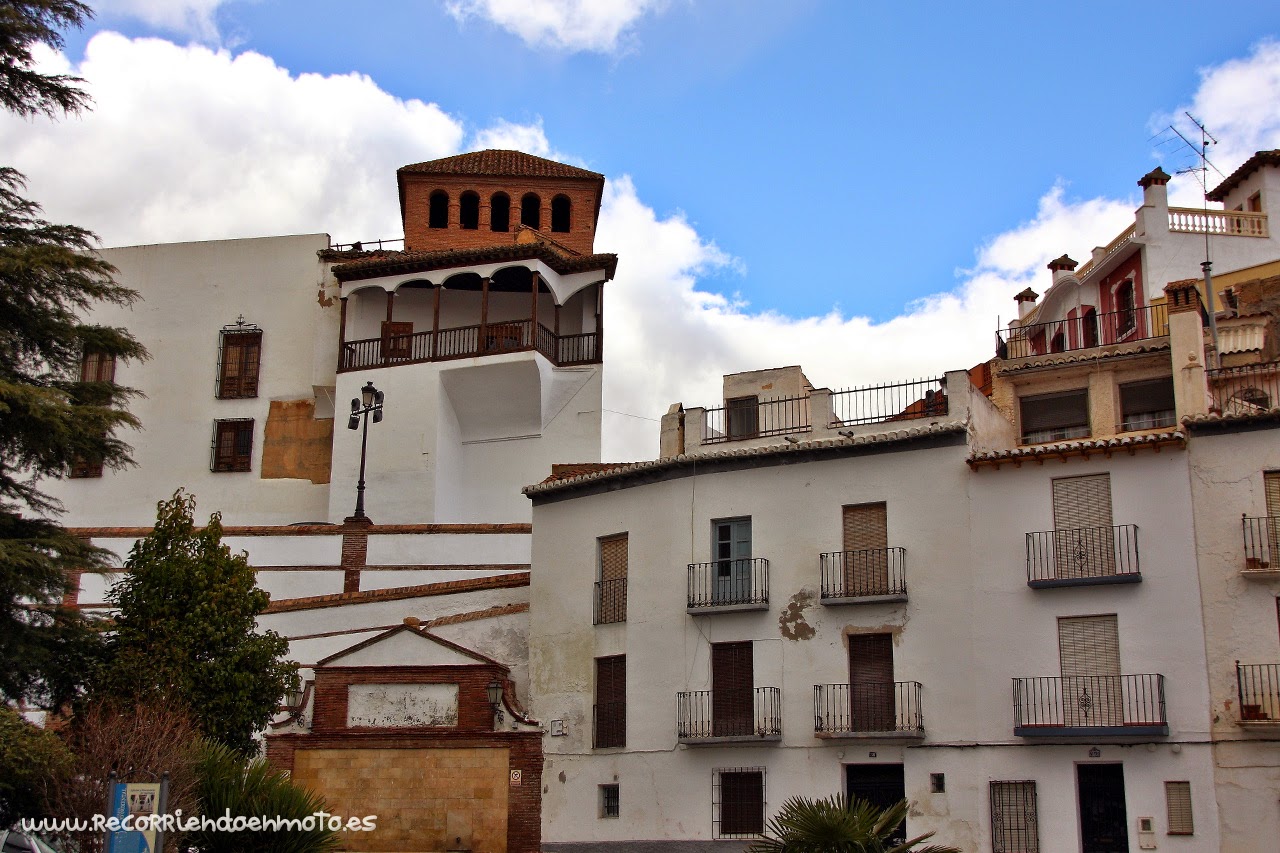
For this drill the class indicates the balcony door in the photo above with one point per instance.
(1271, 485)
(871, 690)
(1103, 817)
(1084, 538)
(1091, 685)
(866, 543)
(731, 546)
(732, 690)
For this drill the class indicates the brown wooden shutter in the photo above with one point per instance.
(238, 371)
(1061, 411)
(866, 538)
(613, 579)
(397, 339)
(1271, 486)
(1084, 536)
(1092, 694)
(611, 701)
(233, 445)
(741, 802)
(1177, 796)
(871, 689)
(732, 689)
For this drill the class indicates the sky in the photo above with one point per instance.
(857, 188)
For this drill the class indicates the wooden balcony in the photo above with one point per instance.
(470, 342)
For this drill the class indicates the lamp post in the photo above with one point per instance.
(495, 698)
(370, 402)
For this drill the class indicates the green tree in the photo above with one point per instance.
(29, 758)
(828, 825)
(185, 632)
(232, 783)
(49, 419)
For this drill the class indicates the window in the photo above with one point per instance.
(611, 702)
(743, 415)
(1255, 203)
(1089, 327)
(239, 360)
(937, 783)
(1126, 313)
(611, 589)
(731, 551)
(438, 213)
(737, 796)
(531, 210)
(97, 367)
(610, 801)
(232, 445)
(469, 211)
(871, 689)
(732, 689)
(1054, 417)
(500, 212)
(1092, 690)
(1147, 404)
(1177, 799)
(1084, 538)
(866, 549)
(560, 208)
(1014, 824)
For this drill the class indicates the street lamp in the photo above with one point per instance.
(370, 401)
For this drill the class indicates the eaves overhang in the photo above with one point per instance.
(1082, 449)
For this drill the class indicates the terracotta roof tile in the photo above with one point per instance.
(1084, 447)
(378, 264)
(505, 163)
(1257, 161)
(578, 469)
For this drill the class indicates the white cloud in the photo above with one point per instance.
(1239, 102)
(529, 138)
(194, 18)
(570, 25)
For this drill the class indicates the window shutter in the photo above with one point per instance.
(240, 357)
(1177, 796)
(611, 701)
(1055, 411)
(741, 803)
(1271, 486)
(866, 526)
(1080, 502)
(1150, 397)
(1089, 645)
(871, 659)
(613, 579)
(732, 689)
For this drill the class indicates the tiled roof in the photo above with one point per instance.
(578, 469)
(502, 163)
(1257, 161)
(1223, 419)
(709, 460)
(1082, 447)
(1082, 356)
(378, 264)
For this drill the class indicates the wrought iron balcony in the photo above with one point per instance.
(610, 601)
(1262, 545)
(868, 576)
(1091, 330)
(723, 716)
(1090, 706)
(724, 585)
(1249, 389)
(1258, 688)
(609, 725)
(1083, 556)
(749, 417)
(870, 711)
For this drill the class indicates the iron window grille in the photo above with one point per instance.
(232, 448)
(737, 797)
(610, 801)
(1014, 822)
(239, 360)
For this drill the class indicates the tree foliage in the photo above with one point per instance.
(49, 419)
(23, 90)
(185, 630)
(805, 825)
(29, 758)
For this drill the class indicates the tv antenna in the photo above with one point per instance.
(1202, 153)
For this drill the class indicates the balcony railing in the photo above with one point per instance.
(712, 715)
(1089, 706)
(1261, 544)
(1231, 223)
(470, 342)
(1250, 389)
(868, 710)
(1083, 556)
(875, 574)
(609, 725)
(729, 585)
(1121, 240)
(750, 418)
(1091, 330)
(903, 401)
(1258, 688)
(610, 601)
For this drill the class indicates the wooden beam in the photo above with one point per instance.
(435, 321)
(484, 314)
(342, 333)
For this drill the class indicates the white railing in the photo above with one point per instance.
(1114, 246)
(1234, 223)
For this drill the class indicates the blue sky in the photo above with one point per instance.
(859, 188)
